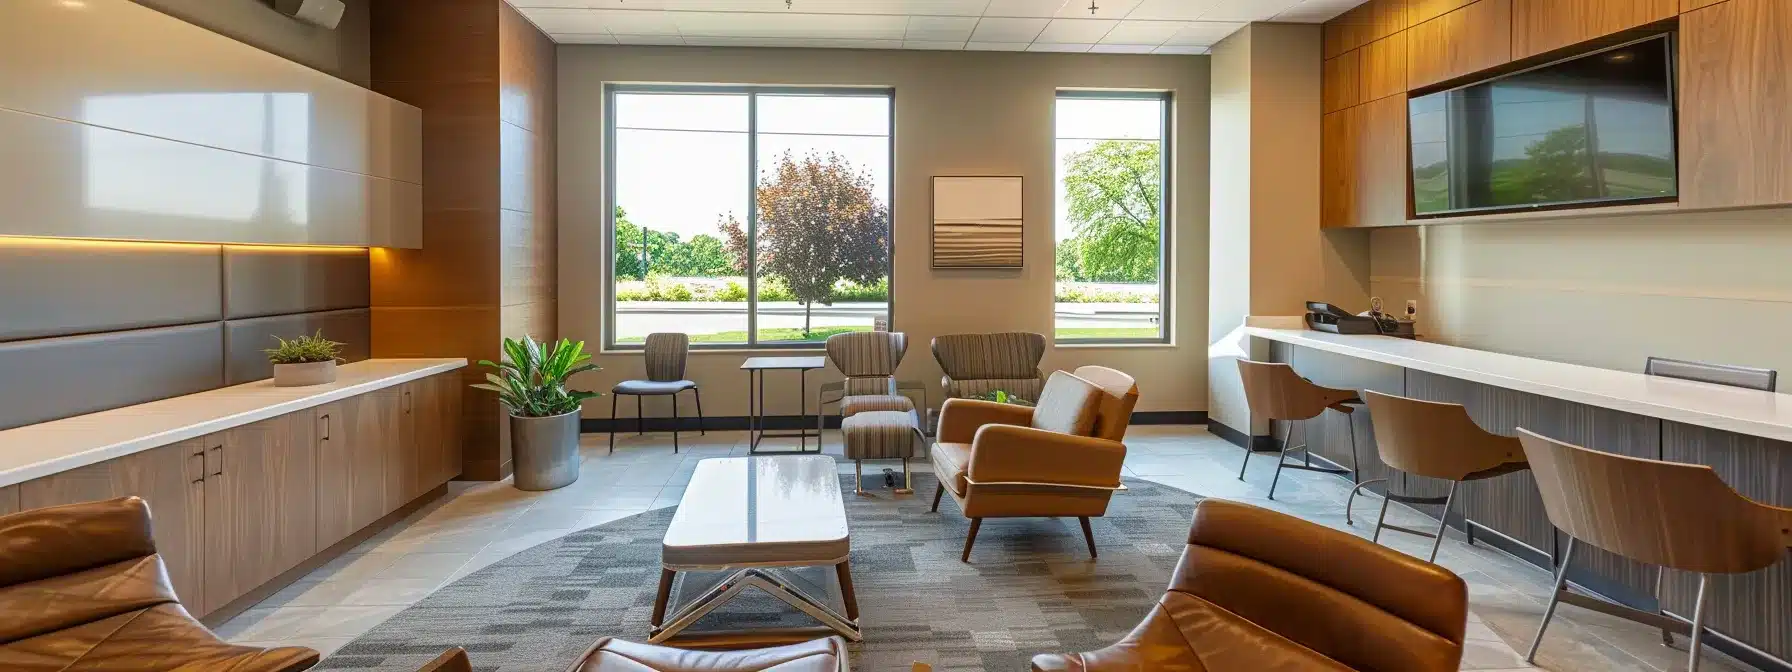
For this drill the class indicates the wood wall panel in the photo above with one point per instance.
(1387, 17)
(9, 500)
(1544, 25)
(1384, 67)
(1754, 607)
(1380, 173)
(1337, 168)
(1689, 5)
(1348, 31)
(1420, 11)
(1734, 141)
(1463, 41)
(1341, 81)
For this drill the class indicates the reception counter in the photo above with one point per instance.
(1745, 435)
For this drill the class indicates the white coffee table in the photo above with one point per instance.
(752, 515)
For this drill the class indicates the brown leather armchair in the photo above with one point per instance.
(615, 655)
(1260, 590)
(83, 589)
(1061, 458)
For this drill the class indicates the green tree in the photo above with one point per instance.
(819, 223)
(1114, 190)
(628, 247)
(703, 256)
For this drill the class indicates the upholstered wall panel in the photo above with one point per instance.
(58, 288)
(244, 340)
(48, 379)
(260, 281)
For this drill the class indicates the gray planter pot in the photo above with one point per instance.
(546, 451)
(300, 375)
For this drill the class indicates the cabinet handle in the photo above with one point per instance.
(407, 401)
(201, 457)
(325, 418)
(219, 450)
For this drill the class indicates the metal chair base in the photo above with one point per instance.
(1667, 624)
(1443, 523)
(641, 418)
(858, 479)
(770, 584)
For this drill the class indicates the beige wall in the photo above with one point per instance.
(1601, 292)
(956, 113)
(341, 52)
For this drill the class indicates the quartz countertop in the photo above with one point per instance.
(52, 447)
(1731, 409)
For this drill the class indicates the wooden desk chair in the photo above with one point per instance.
(1274, 391)
(1435, 440)
(1677, 516)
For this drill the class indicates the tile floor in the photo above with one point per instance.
(477, 524)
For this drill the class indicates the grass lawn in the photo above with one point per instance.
(1108, 332)
(796, 335)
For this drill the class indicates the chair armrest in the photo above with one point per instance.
(961, 418)
(1009, 454)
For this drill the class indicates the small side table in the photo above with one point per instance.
(756, 368)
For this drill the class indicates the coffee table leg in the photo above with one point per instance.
(660, 599)
(844, 571)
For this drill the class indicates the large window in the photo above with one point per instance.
(747, 216)
(1113, 172)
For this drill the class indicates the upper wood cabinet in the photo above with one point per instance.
(260, 493)
(1340, 81)
(1366, 23)
(1689, 5)
(1363, 165)
(1463, 41)
(1543, 25)
(1337, 168)
(1384, 67)
(1735, 143)
(1420, 11)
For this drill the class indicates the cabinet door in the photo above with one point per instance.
(261, 504)
(1467, 40)
(1340, 81)
(335, 475)
(1337, 167)
(1542, 25)
(1735, 144)
(169, 479)
(1381, 159)
(437, 418)
(9, 500)
(401, 447)
(371, 422)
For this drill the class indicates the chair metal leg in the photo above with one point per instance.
(1356, 470)
(908, 486)
(1698, 626)
(937, 494)
(702, 424)
(640, 418)
(1379, 521)
(674, 423)
(1282, 458)
(1088, 535)
(1443, 525)
(613, 397)
(1555, 598)
(858, 477)
(1246, 464)
(969, 539)
(1661, 573)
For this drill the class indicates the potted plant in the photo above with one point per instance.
(1003, 397)
(306, 360)
(544, 414)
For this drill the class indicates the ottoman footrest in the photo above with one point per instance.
(880, 435)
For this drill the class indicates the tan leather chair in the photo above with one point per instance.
(1669, 514)
(452, 660)
(1436, 440)
(82, 588)
(1274, 391)
(615, 655)
(1260, 590)
(1060, 458)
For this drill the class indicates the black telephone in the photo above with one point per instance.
(1326, 317)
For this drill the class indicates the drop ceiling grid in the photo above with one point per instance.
(1115, 26)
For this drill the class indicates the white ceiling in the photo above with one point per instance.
(1115, 26)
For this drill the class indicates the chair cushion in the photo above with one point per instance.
(879, 435)
(862, 403)
(162, 637)
(652, 387)
(950, 462)
(615, 655)
(1068, 405)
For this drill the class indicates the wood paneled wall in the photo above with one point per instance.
(484, 79)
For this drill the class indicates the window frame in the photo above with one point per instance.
(608, 202)
(1165, 235)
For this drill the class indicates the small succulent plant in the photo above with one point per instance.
(1002, 396)
(305, 350)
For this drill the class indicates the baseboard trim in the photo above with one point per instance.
(829, 420)
(1258, 444)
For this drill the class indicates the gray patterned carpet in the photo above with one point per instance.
(1030, 588)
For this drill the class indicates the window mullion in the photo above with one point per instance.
(752, 219)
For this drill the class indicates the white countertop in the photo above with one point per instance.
(52, 447)
(1751, 412)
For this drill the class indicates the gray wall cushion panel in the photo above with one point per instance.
(246, 339)
(54, 378)
(56, 288)
(279, 281)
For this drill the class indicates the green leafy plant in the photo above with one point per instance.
(305, 350)
(1002, 396)
(531, 381)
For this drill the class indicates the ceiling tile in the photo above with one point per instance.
(940, 28)
(1122, 48)
(932, 45)
(1038, 8)
(1059, 47)
(791, 26)
(650, 39)
(1173, 49)
(996, 46)
(1078, 31)
(1008, 30)
(702, 5)
(1246, 10)
(1143, 32)
(798, 43)
(634, 22)
(583, 38)
(1172, 10)
(1202, 33)
(892, 7)
(1104, 9)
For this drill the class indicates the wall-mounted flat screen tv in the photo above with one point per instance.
(1594, 129)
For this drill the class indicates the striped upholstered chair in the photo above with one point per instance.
(982, 363)
(869, 359)
(665, 355)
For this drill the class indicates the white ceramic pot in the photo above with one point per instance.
(300, 375)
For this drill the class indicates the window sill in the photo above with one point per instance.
(1099, 345)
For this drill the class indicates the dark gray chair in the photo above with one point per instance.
(665, 354)
(1716, 374)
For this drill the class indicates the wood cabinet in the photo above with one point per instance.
(169, 478)
(1420, 11)
(1384, 67)
(1366, 23)
(1544, 25)
(357, 434)
(9, 500)
(1735, 144)
(1466, 40)
(1689, 5)
(1363, 165)
(1340, 81)
(261, 515)
(436, 416)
